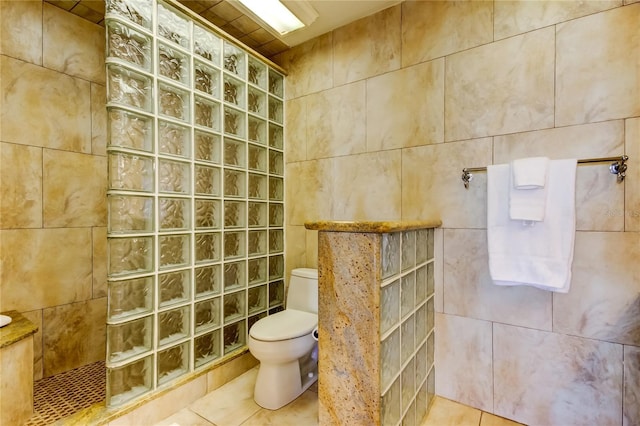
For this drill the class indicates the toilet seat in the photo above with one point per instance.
(284, 325)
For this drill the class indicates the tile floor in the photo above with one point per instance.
(233, 405)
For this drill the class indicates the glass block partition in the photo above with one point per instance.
(407, 371)
(196, 195)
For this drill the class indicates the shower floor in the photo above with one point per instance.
(66, 393)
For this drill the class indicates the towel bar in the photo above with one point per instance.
(618, 167)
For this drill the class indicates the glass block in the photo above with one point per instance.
(129, 381)
(130, 172)
(173, 363)
(207, 314)
(173, 139)
(235, 336)
(206, 348)
(421, 246)
(234, 152)
(257, 130)
(129, 213)
(275, 110)
(276, 189)
(407, 295)
(173, 176)
(129, 88)
(421, 324)
(275, 310)
(206, 147)
(130, 255)
(275, 136)
(173, 64)
(430, 243)
(276, 84)
(234, 245)
(257, 102)
(207, 181)
(408, 250)
(276, 215)
(257, 186)
(129, 339)
(173, 325)
(234, 122)
(234, 214)
(130, 297)
(421, 364)
(206, 113)
(174, 287)
(206, 44)
(409, 418)
(389, 358)
(234, 306)
(174, 250)
(208, 281)
(276, 163)
(208, 214)
(254, 319)
(431, 385)
(233, 90)
(390, 405)
(421, 285)
(430, 315)
(172, 26)
(408, 339)
(207, 247)
(128, 45)
(257, 243)
(430, 280)
(130, 130)
(257, 272)
(430, 350)
(139, 12)
(233, 59)
(276, 240)
(173, 102)
(389, 306)
(206, 79)
(257, 73)
(234, 275)
(173, 213)
(257, 158)
(407, 385)
(421, 402)
(390, 254)
(276, 293)
(234, 183)
(276, 267)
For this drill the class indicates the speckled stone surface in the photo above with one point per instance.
(373, 227)
(18, 329)
(349, 331)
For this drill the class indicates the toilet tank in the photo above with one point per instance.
(303, 290)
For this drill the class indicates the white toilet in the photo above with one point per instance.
(286, 344)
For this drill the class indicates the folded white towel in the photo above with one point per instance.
(540, 255)
(528, 191)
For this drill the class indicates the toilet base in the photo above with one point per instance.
(279, 384)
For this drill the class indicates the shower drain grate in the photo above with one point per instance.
(67, 393)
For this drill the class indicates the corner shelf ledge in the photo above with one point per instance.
(378, 227)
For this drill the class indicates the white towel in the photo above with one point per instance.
(528, 192)
(540, 255)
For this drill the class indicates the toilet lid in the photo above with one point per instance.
(287, 324)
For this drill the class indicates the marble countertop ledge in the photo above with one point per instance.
(377, 227)
(18, 329)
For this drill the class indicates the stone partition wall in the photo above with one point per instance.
(375, 322)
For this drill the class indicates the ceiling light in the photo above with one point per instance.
(274, 14)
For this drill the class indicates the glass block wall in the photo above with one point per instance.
(195, 200)
(407, 371)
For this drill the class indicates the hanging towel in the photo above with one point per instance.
(540, 255)
(528, 191)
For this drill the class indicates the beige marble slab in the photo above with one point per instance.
(98, 119)
(19, 328)
(301, 411)
(631, 412)
(445, 412)
(371, 227)
(296, 130)
(16, 370)
(99, 252)
(21, 30)
(184, 417)
(36, 318)
(309, 191)
(489, 419)
(632, 183)
(20, 186)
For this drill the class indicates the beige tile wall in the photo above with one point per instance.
(480, 83)
(53, 181)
